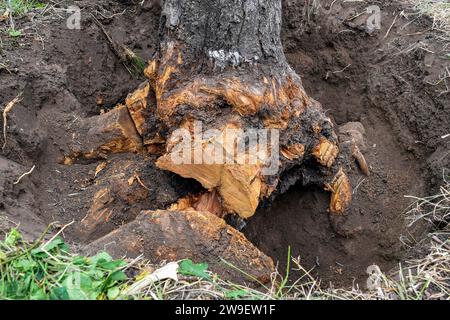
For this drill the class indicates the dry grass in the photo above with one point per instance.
(434, 209)
(438, 10)
(424, 277)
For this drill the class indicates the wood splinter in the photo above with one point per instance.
(111, 132)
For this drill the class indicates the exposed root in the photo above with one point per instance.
(100, 168)
(7, 109)
(341, 193)
(137, 104)
(200, 236)
(360, 160)
(24, 175)
(207, 202)
(326, 152)
(138, 179)
(238, 183)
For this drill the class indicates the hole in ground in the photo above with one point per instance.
(300, 219)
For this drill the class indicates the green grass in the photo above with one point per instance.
(20, 7)
(48, 271)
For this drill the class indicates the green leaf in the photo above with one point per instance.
(15, 33)
(95, 273)
(24, 265)
(101, 256)
(188, 268)
(59, 294)
(57, 243)
(118, 275)
(80, 261)
(12, 237)
(236, 294)
(114, 278)
(40, 5)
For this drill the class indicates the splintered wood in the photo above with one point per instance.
(197, 235)
(239, 184)
(137, 103)
(111, 132)
(192, 79)
(341, 193)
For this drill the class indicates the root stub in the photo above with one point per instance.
(341, 193)
(112, 132)
(200, 236)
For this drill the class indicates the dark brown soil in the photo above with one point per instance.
(67, 75)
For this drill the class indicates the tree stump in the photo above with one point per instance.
(221, 64)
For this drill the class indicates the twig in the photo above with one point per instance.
(334, 72)
(11, 19)
(390, 28)
(58, 233)
(440, 242)
(124, 54)
(8, 108)
(141, 183)
(360, 182)
(24, 175)
(108, 37)
(111, 16)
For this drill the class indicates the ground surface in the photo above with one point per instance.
(390, 81)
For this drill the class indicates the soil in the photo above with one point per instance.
(387, 80)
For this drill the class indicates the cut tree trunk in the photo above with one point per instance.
(222, 63)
